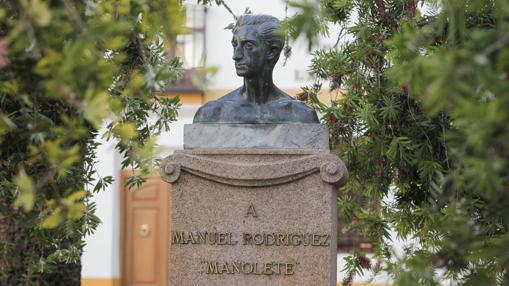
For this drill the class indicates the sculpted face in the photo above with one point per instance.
(248, 52)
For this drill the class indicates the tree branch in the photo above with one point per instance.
(221, 2)
(80, 25)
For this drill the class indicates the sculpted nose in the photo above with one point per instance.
(237, 54)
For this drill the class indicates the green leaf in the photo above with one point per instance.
(6, 124)
(38, 10)
(230, 26)
(307, 21)
(53, 220)
(115, 43)
(95, 107)
(127, 131)
(75, 211)
(26, 191)
(72, 198)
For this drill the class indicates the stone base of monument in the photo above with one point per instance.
(253, 216)
(258, 212)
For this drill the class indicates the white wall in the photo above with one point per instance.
(101, 258)
(174, 139)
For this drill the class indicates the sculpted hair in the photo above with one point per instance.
(267, 27)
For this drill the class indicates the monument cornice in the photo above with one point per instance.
(217, 165)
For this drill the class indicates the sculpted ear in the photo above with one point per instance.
(273, 51)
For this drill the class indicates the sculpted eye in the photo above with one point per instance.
(248, 46)
(234, 44)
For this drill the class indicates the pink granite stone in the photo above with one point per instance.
(245, 217)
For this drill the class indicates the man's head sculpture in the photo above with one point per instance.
(257, 45)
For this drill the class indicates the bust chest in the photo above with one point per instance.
(252, 113)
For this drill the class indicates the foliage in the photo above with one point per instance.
(422, 126)
(302, 23)
(67, 67)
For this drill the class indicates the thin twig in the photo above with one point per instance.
(445, 143)
(382, 12)
(31, 33)
(142, 50)
(287, 41)
(340, 35)
(81, 27)
(499, 44)
(229, 9)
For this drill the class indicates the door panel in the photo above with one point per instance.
(144, 233)
(144, 245)
(150, 191)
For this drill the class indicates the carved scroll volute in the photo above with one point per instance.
(257, 174)
(170, 171)
(334, 172)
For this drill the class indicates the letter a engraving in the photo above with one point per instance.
(251, 211)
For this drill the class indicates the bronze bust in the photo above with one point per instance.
(256, 49)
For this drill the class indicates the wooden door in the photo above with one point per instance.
(145, 233)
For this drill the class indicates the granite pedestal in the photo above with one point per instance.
(262, 215)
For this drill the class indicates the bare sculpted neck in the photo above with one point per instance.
(259, 90)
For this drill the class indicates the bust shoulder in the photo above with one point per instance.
(211, 111)
(232, 108)
(295, 110)
(300, 112)
(233, 96)
(208, 112)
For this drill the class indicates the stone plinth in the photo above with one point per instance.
(258, 136)
(246, 217)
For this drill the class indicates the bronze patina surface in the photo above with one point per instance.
(256, 49)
